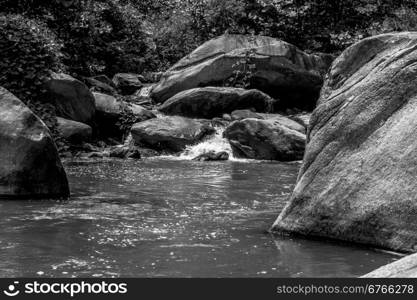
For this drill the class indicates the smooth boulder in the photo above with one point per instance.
(268, 139)
(71, 98)
(210, 102)
(358, 179)
(212, 156)
(29, 163)
(241, 114)
(127, 83)
(110, 112)
(282, 70)
(74, 132)
(171, 134)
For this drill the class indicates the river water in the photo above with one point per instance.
(169, 217)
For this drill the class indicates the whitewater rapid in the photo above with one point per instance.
(216, 143)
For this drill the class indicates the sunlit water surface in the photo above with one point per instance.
(172, 218)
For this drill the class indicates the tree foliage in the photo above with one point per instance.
(109, 36)
(29, 53)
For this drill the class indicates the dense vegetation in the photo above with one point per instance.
(86, 37)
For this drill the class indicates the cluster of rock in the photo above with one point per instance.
(193, 99)
(30, 162)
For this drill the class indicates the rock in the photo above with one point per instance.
(170, 133)
(286, 121)
(110, 111)
(125, 152)
(282, 70)
(227, 117)
(358, 179)
(127, 83)
(210, 102)
(29, 163)
(94, 155)
(403, 268)
(265, 139)
(74, 132)
(303, 119)
(71, 98)
(212, 156)
(99, 86)
(107, 107)
(244, 114)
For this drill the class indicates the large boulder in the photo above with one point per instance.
(282, 70)
(74, 132)
(170, 133)
(358, 180)
(127, 83)
(71, 98)
(110, 112)
(241, 114)
(29, 162)
(210, 102)
(273, 139)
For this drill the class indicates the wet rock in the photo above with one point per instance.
(29, 162)
(74, 132)
(358, 179)
(282, 70)
(71, 98)
(212, 156)
(210, 102)
(265, 139)
(170, 133)
(286, 121)
(245, 114)
(127, 83)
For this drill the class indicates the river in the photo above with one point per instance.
(167, 217)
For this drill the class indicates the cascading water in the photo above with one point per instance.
(216, 143)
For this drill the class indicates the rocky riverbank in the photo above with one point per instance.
(357, 181)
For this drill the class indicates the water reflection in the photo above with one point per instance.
(168, 218)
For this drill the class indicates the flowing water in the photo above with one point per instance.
(216, 143)
(165, 217)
